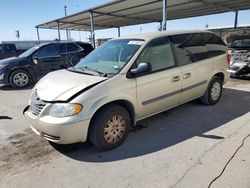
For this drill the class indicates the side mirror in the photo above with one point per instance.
(35, 59)
(143, 67)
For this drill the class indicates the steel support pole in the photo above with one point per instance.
(160, 26)
(236, 19)
(58, 29)
(92, 29)
(38, 36)
(164, 15)
(119, 31)
(65, 13)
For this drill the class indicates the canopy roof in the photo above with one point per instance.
(131, 12)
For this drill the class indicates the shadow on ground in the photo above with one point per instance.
(241, 77)
(9, 88)
(6, 117)
(168, 128)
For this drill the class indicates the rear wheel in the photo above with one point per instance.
(213, 92)
(109, 127)
(20, 79)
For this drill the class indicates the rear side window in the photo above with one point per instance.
(69, 47)
(194, 47)
(189, 48)
(214, 44)
(158, 53)
(85, 46)
(63, 48)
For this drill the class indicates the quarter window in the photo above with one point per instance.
(158, 53)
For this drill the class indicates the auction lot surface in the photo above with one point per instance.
(189, 146)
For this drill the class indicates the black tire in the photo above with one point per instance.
(208, 98)
(22, 83)
(97, 134)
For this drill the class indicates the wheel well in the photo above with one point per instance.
(124, 103)
(221, 76)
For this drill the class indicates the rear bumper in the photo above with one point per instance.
(59, 133)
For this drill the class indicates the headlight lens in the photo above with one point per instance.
(65, 109)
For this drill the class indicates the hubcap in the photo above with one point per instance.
(215, 91)
(21, 79)
(114, 129)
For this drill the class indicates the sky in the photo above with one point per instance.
(24, 15)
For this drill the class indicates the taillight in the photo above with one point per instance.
(228, 59)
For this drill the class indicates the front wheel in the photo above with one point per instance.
(213, 92)
(109, 127)
(20, 79)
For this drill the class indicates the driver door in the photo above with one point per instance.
(47, 59)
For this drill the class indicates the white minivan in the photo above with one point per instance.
(125, 80)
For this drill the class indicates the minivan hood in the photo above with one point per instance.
(62, 85)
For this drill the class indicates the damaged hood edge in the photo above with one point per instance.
(63, 85)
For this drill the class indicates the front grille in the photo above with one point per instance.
(36, 105)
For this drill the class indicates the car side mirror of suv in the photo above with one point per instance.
(142, 68)
(35, 58)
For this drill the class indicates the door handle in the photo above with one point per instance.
(175, 78)
(186, 75)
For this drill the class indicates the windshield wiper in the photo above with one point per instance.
(99, 72)
(73, 69)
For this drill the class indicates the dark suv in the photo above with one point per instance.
(41, 59)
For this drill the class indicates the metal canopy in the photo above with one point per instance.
(131, 12)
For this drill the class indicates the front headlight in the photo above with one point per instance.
(64, 109)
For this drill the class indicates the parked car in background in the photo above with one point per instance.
(41, 59)
(8, 50)
(126, 80)
(239, 55)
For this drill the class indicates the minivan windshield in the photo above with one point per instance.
(110, 57)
